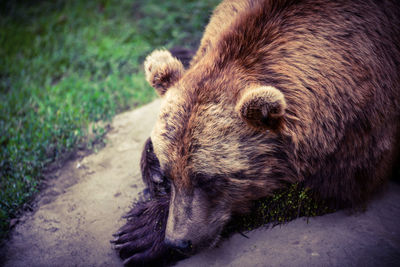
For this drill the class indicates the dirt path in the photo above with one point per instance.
(82, 208)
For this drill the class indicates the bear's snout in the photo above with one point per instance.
(185, 246)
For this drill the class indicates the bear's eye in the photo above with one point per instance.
(201, 179)
(206, 183)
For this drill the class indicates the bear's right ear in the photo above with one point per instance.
(262, 107)
(162, 70)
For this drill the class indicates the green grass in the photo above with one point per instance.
(67, 64)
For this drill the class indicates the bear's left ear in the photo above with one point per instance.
(162, 70)
(262, 107)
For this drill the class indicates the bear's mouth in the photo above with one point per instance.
(216, 240)
(204, 245)
(210, 242)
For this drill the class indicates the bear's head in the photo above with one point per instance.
(217, 140)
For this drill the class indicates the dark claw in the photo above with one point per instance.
(129, 228)
(132, 247)
(129, 237)
(117, 234)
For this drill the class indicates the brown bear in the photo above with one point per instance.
(279, 92)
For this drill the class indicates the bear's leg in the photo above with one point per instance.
(141, 239)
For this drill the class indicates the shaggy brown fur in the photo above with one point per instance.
(279, 91)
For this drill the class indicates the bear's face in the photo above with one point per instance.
(215, 146)
(195, 145)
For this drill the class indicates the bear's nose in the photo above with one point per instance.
(183, 245)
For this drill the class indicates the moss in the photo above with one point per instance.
(283, 206)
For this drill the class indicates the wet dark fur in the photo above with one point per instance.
(333, 137)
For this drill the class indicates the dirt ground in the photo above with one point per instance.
(82, 207)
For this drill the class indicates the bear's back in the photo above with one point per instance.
(337, 63)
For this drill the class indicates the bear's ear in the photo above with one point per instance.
(162, 70)
(262, 107)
